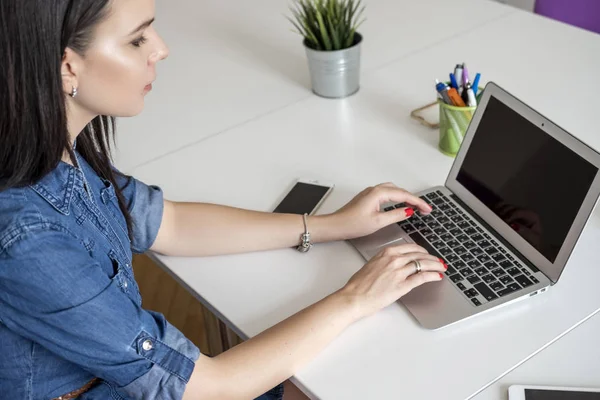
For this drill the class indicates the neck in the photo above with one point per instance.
(77, 120)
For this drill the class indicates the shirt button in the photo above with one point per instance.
(147, 345)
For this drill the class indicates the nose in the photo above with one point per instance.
(161, 51)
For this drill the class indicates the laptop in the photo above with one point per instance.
(516, 200)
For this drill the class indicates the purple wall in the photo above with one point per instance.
(582, 13)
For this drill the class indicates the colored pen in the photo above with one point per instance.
(458, 74)
(453, 81)
(465, 78)
(476, 83)
(442, 89)
(471, 101)
(455, 98)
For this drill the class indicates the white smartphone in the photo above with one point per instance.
(305, 196)
(530, 392)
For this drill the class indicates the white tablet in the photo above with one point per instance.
(525, 392)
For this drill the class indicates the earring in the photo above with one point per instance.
(74, 92)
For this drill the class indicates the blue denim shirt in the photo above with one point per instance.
(70, 309)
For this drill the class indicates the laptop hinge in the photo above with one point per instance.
(495, 233)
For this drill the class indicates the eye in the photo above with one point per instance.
(139, 41)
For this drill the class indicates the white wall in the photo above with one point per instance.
(523, 4)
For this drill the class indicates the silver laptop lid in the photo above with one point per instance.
(530, 180)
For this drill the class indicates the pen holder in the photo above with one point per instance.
(454, 122)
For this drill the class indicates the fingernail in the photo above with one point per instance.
(409, 212)
(441, 276)
(443, 263)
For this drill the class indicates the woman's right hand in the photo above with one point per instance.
(390, 275)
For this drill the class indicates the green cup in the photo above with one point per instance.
(454, 122)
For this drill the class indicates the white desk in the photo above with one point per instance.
(234, 61)
(368, 139)
(573, 360)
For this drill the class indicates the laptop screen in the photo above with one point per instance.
(530, 180)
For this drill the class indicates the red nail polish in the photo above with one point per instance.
(409, 212)
(441, 276)
(443, 263)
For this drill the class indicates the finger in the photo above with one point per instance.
(398, 250)
(398, 214)
(417, 280)
(397, 195)
(427, 265)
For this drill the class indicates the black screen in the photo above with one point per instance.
(534, 394)
(526, 177)
(303, 198)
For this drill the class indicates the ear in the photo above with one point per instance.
(70, 68)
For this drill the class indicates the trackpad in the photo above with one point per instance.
(372, 252)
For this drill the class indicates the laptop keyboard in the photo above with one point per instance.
(477, 265)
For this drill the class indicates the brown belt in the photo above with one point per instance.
(82, 390)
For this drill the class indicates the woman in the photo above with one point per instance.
(71, 321)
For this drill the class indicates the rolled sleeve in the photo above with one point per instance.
(145, 204)
(55, 294)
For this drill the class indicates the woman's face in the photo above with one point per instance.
(117, 70)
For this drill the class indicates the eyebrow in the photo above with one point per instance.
(143, 25)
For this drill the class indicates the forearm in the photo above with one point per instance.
(199, 229)
(253, 367)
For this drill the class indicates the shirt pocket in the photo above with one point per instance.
(111, 202)
(123, 277)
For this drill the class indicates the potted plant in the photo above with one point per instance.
(332, 43)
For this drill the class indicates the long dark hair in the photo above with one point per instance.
(34, 35)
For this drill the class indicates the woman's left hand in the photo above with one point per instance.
(363, 214)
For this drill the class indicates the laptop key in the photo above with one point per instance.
(507, 264)
(522, 279)
(469, 244)
(456, 278)
(443, 220)
(456, 219)
(481, 271)
(477, 237)
(491, 250)
(475, 301)
(484, 244)
(450, 270)
(488, 279)
(445, 251)
(426, 232)
(471, 293)
(462, 238)
(474, 264)
(506, 279)
(479, 229)
(449, 226)
(453, 243)
(431, 195)
(455, 231)
(451, 258)
(388, 208)
(513, 271)
(419, 225)
(505, 291)
(451, 213)
(476, 251)
(446, 237)
(485, 291)
(483, 258)
(438, 201)
(421, 241)
(498, 272)
(467, 257)
(498, 257)
(459, 264)
(496, 286)
(400, 205)
(474, 279)
(461, 286)
(433, 225)
(464, 224)
(444, 207)
(466, 272)
(440, 231)
(460, 250)
(471, 231)
(533, 278)
(437, 213)
(408, 228)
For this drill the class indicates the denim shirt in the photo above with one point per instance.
(70, 309)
